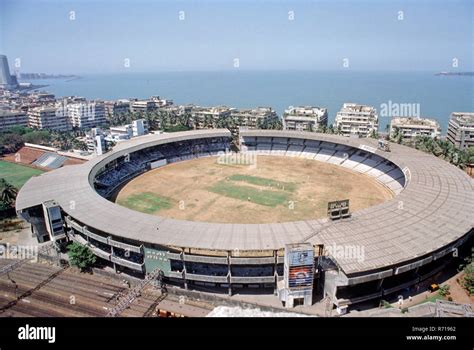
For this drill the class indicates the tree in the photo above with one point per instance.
(81, 256)
(41, 137)
(444, 290)
(330, 129)
(8, 193)
(176, 128)
(208, 121)
(397, 135)
(19, 130)
(11, 142)
(374, 134)
(467, 281)
(80, 145)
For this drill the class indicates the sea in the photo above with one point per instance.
(430, 95)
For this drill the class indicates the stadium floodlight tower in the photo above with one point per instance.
(297, 285)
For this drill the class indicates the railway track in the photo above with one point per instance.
(42, 290)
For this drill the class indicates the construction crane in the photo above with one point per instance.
(16, 264)
(135, 292)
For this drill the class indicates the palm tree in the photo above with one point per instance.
(397, 135)
(8, 193)
(164, 119)
(323, 128)
(185, 119)
(208, 121)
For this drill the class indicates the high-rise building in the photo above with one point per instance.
(48, 117)
(7, 81)
(9, 119)
(305, 118)
(86, 114)
(461, 130)
(357, 120)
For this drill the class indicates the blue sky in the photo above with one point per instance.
(214, 33)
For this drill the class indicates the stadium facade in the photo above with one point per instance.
(398, 243)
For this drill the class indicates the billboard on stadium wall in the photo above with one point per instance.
(299, 266)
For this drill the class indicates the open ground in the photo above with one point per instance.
(277, 189)
(17, 174)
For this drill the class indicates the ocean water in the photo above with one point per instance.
(437, 96)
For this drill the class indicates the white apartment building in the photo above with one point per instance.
(305, 118)
(114, 108)
(357, 120)
(9, 119)
(253, 118)
(142, 106)
(137, 128)
(411, 127)
(203, 117)
(161, 102)
(461, 129)
(87, 114)
(95, 140)
(122, 132)
(49, 117)
(178, 109)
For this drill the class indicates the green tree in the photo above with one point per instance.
(467, 281)
(8, 193)
(19, 130)
(397, 135)
(41, 137)
(11, 142)
(81, 256)
(444, 290)
(176, 128)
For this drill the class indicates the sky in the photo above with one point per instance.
(105, 36)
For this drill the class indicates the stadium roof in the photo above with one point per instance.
(435, 209)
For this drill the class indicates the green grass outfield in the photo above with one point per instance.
(146, 202)
(17, 174)
(251, 194)
(261, 181)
